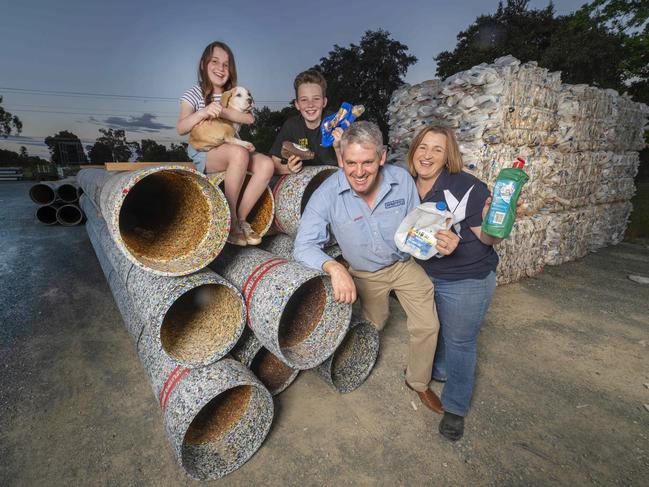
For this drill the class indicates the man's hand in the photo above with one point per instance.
(446, 242)
(341, 281)
(294, 164)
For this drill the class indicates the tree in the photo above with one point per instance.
(23, 153)
(262, 133)
(65, 147)
(366, 73)
(8, 122)
(112, 146)
(151, 151)
(580, 46)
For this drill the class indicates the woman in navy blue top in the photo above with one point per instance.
(465, 280)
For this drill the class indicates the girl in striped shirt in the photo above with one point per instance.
(217, 73)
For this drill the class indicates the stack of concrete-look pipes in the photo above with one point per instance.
(58, 202)
(154, 231)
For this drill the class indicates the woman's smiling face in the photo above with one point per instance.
(430, 156)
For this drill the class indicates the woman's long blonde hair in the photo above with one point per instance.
(454, 163)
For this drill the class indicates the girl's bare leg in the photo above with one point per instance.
(234, 160)
(262, 169)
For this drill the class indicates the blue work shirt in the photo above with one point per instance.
(365, 235)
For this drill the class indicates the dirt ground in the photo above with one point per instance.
(559, 398)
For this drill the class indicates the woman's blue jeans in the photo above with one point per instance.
(461, 307)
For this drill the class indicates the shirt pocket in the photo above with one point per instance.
(389, 221)
(352, 234)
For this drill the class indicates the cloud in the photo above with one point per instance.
(144, 123)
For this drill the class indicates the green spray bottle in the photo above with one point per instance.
(502, 211)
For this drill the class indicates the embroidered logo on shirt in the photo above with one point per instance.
(395, 203)
(358, 218)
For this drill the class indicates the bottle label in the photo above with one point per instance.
(420, 239)
(503, 192)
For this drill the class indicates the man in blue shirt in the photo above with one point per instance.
(363, 205)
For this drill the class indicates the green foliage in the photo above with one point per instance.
(21, 158)
(262, 133)
(604, 43)
(112, 146)
(65, 147)
(366, 73)
(151, 151)
(8, 122)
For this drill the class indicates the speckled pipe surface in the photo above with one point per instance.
(247, 349)
(291, 196)
(259, 220)
(109, 191)
(282, 245)
(354, 359)
(267, 283)
(152, 296)
(183, 392)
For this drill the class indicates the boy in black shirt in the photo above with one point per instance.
(304, 129)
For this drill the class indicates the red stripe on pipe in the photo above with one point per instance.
(171, 388)
(243, 289)
(167, 383)
(254, 285)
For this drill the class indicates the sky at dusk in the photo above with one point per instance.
(84, 65)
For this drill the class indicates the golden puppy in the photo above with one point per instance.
(212, 133)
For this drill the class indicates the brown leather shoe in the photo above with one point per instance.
(430, 399)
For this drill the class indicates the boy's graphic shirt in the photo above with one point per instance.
(296, 131)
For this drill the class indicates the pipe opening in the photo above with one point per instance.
(355, 357)
(270, 370)
(201, 323)
(219, 416)
(69, 215)
(67, 192)
(316, 181)
(302, 313)
(46, 215)
(164, 217)
(42, 194)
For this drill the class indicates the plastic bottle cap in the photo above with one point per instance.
(440, 205)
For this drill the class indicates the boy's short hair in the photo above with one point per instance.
(310, 76)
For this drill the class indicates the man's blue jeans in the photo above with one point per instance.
(461, 307)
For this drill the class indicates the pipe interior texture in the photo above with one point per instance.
(353, 360)
(46, 214)
(42, 194)
(262, 214)
(202, 320)
(163, 217)
(67, 192)
(315, 182)
(69, 215)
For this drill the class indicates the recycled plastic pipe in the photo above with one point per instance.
(197, 318)
(168, 220)
(69, 215)
(216, 416)
(292, 193)
(262, 214)
(291, 308)
(282, 245)
(271, 371)
(46, 214)
(43, 193)
(354, 359)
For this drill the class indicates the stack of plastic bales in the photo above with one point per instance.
(580, 144)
